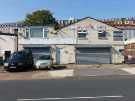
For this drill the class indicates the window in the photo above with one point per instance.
(82, 34)
(36, 32)
(27, 34)
(17, 56)
(118, 36)
(44, 57)
(102, 35)
(45, 33)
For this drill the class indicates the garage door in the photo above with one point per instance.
(93, 55)
(39, 51)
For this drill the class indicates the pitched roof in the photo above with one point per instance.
(87, 18)
(122, 23)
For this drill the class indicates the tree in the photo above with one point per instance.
(41, 18)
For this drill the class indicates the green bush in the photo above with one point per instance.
(1, 60)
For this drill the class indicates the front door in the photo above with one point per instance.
(58, 55)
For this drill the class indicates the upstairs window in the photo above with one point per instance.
(118, 36)
(36, 32)
(82, 34)
(102, 35)
(45, 34)
(27, 34)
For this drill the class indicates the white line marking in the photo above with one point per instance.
(109, 75)
(71, 98)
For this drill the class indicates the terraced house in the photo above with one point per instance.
(87, 41)
(128, 27)
(8, 37)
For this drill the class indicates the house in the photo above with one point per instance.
(8, 44)
(127, 25)
(10, 27)
(43, 40)
(8, 39)
(87, 41)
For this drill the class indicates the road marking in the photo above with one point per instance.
(71, 98)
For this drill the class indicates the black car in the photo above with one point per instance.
(19, 60)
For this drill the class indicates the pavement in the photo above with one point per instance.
(106, 88)
(110, 66)
(71, 71)
(104, 71)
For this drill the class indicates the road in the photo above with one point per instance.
(105, 88)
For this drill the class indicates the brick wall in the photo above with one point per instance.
(130, 53)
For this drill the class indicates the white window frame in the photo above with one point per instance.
(43, 29)
(35, 37)
(118, 36)
(28, 33)
(102, 37)
(78, 32)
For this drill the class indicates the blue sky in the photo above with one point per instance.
(15, 10)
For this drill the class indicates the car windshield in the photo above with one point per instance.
(16, 56)
(44, 57)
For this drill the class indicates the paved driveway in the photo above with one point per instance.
(100, 72)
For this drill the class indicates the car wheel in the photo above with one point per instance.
(5, 68)
(37, 67)
(51, 68)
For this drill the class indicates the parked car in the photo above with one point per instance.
(19, 60)
(43, 62)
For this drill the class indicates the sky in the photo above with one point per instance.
(16, 10)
